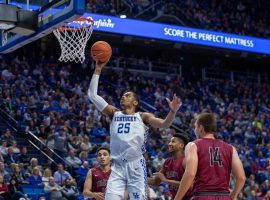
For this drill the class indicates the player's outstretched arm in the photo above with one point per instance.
(191, 157)
(174, 105)
(97, 100)
(239, 174)
(87, 189)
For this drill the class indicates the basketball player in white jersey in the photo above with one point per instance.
(128, 132)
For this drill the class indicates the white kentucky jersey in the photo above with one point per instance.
(128, 136)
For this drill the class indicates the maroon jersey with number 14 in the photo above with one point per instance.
(99, 179)
(214, 166)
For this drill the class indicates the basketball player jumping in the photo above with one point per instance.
(210, 161)
(173, 167)
(97, 177)
(128, 134)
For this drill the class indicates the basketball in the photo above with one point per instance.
(101, 51)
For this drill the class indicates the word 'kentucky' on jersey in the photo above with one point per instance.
(125, 119)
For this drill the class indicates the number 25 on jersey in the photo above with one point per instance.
(123, 128)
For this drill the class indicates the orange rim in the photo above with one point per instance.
(80, 19)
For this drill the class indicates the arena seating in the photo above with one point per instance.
(41, 94)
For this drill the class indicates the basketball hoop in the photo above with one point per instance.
(73, 38)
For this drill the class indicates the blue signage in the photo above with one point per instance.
(178, 34)
(172, 33)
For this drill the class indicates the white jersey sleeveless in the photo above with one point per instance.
(128, 136)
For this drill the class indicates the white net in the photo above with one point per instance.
(73, 39)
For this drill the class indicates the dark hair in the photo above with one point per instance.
(208, 121)
(104, 148)
(15, 179)
(63, 165)
(65, 181)
(183, 137)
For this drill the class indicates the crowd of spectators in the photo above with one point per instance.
(240, 17)
(50, 100)
(233, 16)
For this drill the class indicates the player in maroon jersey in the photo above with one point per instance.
(173, 167)
(97, 177)
(210, 161)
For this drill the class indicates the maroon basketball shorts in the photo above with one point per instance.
(211, 196)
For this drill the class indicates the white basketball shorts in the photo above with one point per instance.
(130, 176)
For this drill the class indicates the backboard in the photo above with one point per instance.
(51, 14)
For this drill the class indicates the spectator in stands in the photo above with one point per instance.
(99, 131)
(14, 147)
(89, 125)
(61, 175)
(70, 191)
(7, 137)
(75, 142)
(33, 164)
(15, 189)
(4, 193)
(247, 190)
(42, 133)
(241, 196)
(162, 194)
(17, 173)
(47, 173)
(54, 190)
(81, 174)
(3, 172)
(9, 104)
(265, 187)
(253, 196)
(73, 160)
(11, 157)
(35, 178)
(86, 145)
(27, 117)
(106, 143)
(24, 157)
(3, 148)
(7, 75)
(81, 130)
(50, 140)
(60, 142)
(158, 161)
(83, 156)
(105, 120)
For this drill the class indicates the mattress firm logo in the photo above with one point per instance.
(103, 22)
(107, 23)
